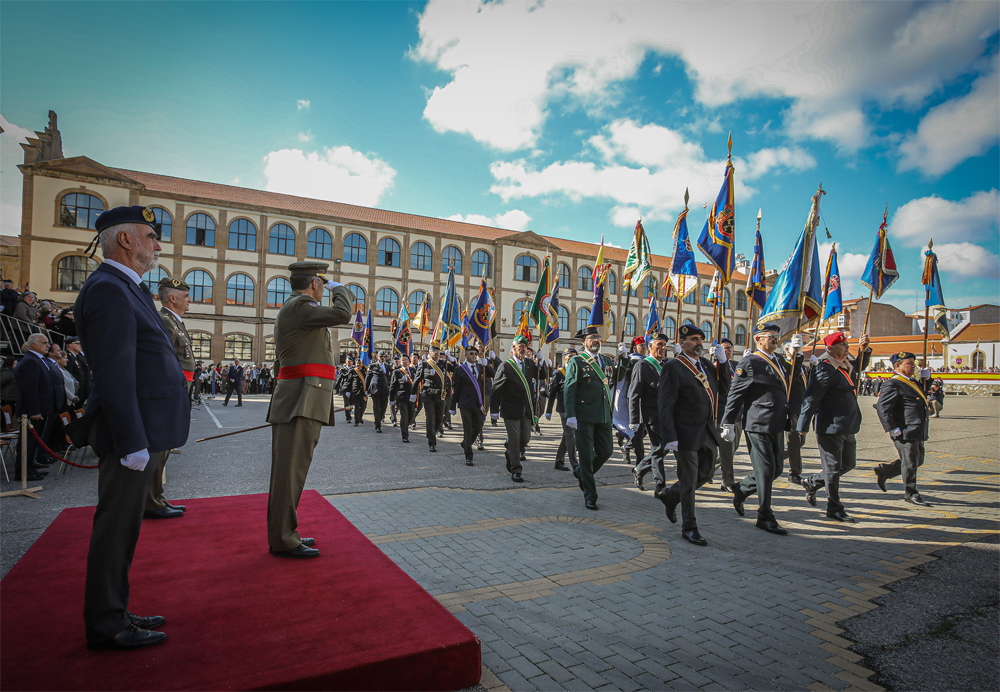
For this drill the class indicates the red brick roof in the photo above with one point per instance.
(979, 332)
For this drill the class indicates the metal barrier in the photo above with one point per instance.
(14, 332)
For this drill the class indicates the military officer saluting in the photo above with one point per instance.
(691, 392)
(587, 398)
(567, 443)
(760, 391)
(903, 410)
(432, 384)
(302, 402)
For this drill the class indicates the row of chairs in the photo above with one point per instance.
(10, 437)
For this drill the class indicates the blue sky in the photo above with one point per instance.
(571, 119)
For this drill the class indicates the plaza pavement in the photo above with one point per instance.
(565, 598)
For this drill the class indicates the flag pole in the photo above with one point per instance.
(927, 312)
(628, 296)
(807, 261)
(750, 316)
(721, 295)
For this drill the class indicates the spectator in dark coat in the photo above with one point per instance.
(234, 383)
(40, 399)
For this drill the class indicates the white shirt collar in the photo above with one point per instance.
(179, 318)
(694, 360)
(38, 354)
(128, 271)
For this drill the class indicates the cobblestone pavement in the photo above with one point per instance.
(565, 598)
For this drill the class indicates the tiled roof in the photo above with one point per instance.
(979, 332)
(10, 240)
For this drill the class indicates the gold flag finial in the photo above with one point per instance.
(930, 243)
(729, 158)
(759, 213)
(686, 197)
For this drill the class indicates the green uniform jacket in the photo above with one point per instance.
(584, 393)
(180, 339)
(301, 337)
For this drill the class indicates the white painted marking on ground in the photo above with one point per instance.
(217, 423)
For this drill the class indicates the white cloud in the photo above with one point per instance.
(10, 218)
(302, 104)
(305, 136)
(11, 155)
(957, 129)
(514, 220)
(973, 219)
(967, 260)
(509, 61)
(338, 174)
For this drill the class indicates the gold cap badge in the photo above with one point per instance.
(147, 214)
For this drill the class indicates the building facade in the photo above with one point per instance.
(232, 245)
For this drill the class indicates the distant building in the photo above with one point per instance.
(10, 257)
(959, 318)
(885, 320)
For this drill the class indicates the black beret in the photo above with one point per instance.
(902, 355)
(687, 330)
(119, 215)
(587, 331)
(660, 337)
(726, 341)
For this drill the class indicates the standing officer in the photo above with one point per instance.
(514, 398)
(403, 389)
(727, 449)
(567, 444)
(903, 410)
(377, 387)
(587, 398)
(760, 391)
(78, 367)
(174, 299)
(643, 413)
(793, 438)
(833, 398)
(234, 383)
(432, 383)
(691, 392)
(469, 397)
(303, 397)
(130, 355)
(354, 385)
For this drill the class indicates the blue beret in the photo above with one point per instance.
(687, 330)
(902, 355)
(726, 341)
(568, 351)
(766, 328)
(118, 215)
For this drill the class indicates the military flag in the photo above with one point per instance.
(467, 335)
(935, 296)
(368, 342)
(449, 328)
(713, 290)
(683, 274)
(404, 313)
(756, 289)
(541, 311)
(552, 333)
(599, 263)
(880, 272)
(423, 319)
(358, 332)
(833, 299)
(404, 341)
(638, 263)
(483, 315)
(600, 309)
(652, 319)
(523, 329)
(717, 238)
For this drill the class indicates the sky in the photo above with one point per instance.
(571, 119)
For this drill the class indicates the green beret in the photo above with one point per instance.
(176, 284)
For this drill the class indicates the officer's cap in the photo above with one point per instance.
(435, 347)
(72, 340)
(472, 348)
(120, 215)
(521, 339)
(761, 328)
(569, 351)
(176, 284)
(835, 338)
(308, 269)
(690, 330)
(587, 331)
(660, 337)
(902, 355)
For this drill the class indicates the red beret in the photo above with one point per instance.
(834, 338)
(639, 340)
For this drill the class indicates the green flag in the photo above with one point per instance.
(540, 311)
(637, 264)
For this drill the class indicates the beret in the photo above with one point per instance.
(587, 331)
(569, 351)
(521, 339)
(176, 284)
(726, 341)
(687, 330)
(120, 215)
(759, 328)
(902, 355)
(659, 337)
(835, 338)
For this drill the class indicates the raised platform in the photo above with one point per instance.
(237, 618)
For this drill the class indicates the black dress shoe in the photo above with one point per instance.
(146, 623)
(839, 515)
(880, 477)
(694, 537)
(516, 477)
(794, 478)
(406, 440)
(521, 457)
(32, 476)
(480, 448)
(627, 455)
(308, 542)
(810, 491)
(590, 504)
(238, 405)
(771, 526)
(378, 430)
(180, 507)
(299, 551)
(669, 506)
(163, 513)
(468, 462)
(725, 487)
(561, 467)
(131, 637)
(434, 448)
(356, 424)
(917, 500)
(637, 479)
(225, 404)
(738, 500)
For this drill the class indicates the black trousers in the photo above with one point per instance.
(121, 499)
(635, 443)
(793, 448)
(379, 404)
(567, 445)
(393, 412)
(234, 387)
(406, 415)
(694, 469)
(347, 406)
(472, 426)
(911, 457)
(727, 451)
(360, 406)
(518, 436)
(839, 454)
(43, 427)
(433, 415)
(766, 458)
(654, 460)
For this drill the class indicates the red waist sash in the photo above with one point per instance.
(188, 375)
(294, 372)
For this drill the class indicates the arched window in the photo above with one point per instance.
(201, 286)
(152, 278)
(355, 248)
(421, 257)
(278, 290)
(707, 328)
(72, 271)
(741, 335)
(630, 324)
(978, 360)
(518, 307)
(670, 327)
(650, 288)
(166, 223)
(79, 210)
(704, 294)
(563, 274)
(416, 300)
(611, 323)
(388, 253)
(690, 298)
(359, 296)
(451, 256)
(582, 318)
(481, 261)
(238, 346)
(741, 300)
(386, 302)
(201, 230)
(243, 235)
(725, 299)
(689, 321)
(724, 332)
(612, 283)
(585, 279)
(239, 290)
(201, 345)
(319, 244)
(563, 321)
(526, 268)
(269, 351)
(282, 240)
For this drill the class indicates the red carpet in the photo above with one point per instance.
(237, 617)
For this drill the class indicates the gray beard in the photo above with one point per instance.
(594, 348)
(698, 350)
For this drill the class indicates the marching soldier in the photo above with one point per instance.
(432, 385)
(514, 398)
(354, 385)
(393, 409)
(793, 438)
(625, 364)
(903, 410)
(833, 398)
(727, 449)
(403, 388)
(340, 385)
(567, 445)
(303, 397)
(691, 392)
(470, 398)
(642, 412)
(759, 396)
(377, 386)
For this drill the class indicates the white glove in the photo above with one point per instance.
(633, 426)
(451, 413)
(482, 361)
(728, 433)
(136, 460)
(413, 398)
(813, 360)
(548, 416)
(671, 446)
(452, 358)
(720, 354)
(797, 341)
(331, 284)
(896, 433)
(571, 422)
(347, 396)
(747, 353)
(492, 354)
(622, 349)
(495, 416)
(925, 373)
(677, 350)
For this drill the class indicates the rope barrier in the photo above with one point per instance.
(46, 448)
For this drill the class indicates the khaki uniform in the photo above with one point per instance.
(185, 356)
(301, 404)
